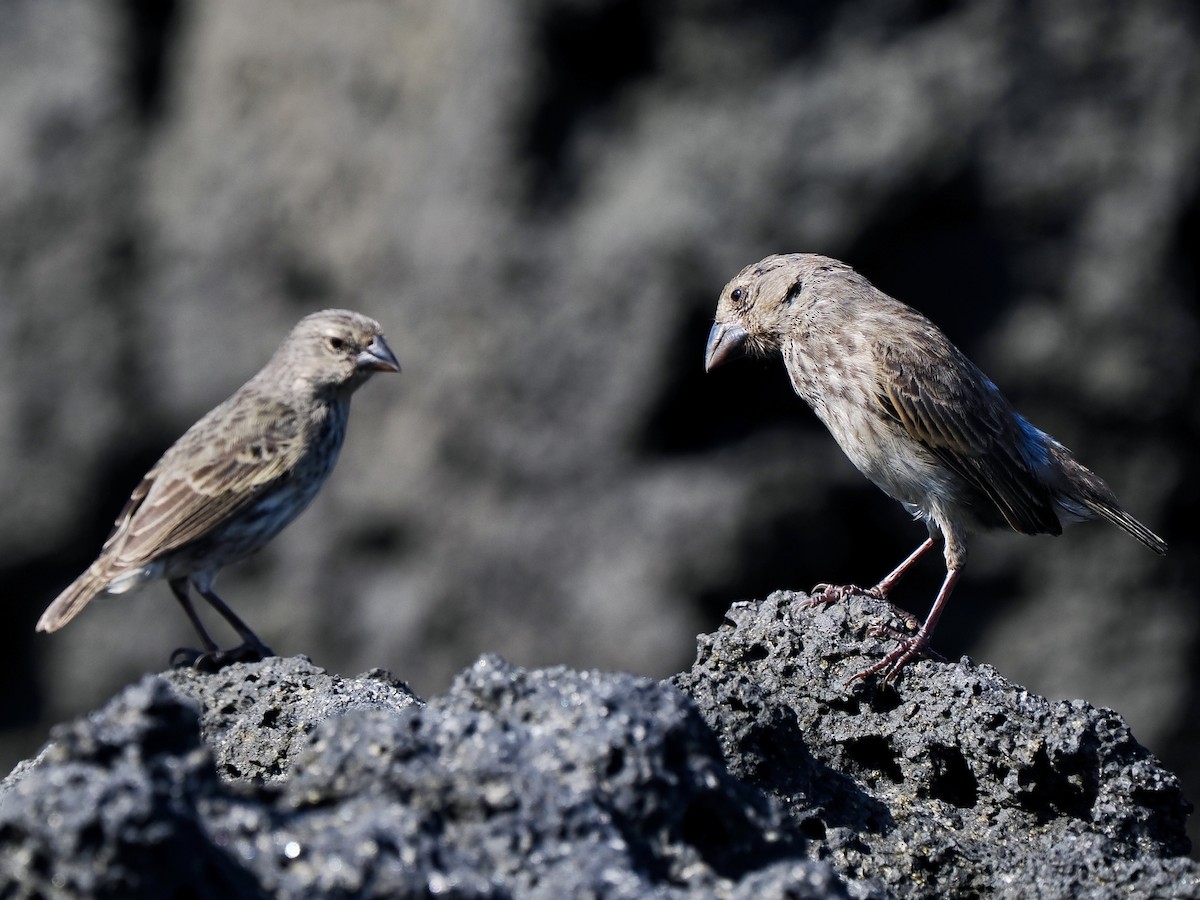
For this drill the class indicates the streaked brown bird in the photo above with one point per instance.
(912, 413)
(236, 478)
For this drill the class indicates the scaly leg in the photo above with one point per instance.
(918, 644)
(884, 587)
(179, 587)
(249, 638)
(825, 594)
(212, 657)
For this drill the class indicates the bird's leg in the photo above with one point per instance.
(884, 587)
(252, 648)
(212, 658)
(825, 594)
(186, 655)
(915, 645)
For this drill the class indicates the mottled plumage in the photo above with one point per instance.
(912, 413)
(238, 476)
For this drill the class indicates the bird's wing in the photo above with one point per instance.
(943, 401)
(210, 474)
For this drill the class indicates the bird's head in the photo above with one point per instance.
(763, 304)
(337, 349)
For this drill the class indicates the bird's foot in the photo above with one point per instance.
(215, 660)
(827, 594)
(911, 647)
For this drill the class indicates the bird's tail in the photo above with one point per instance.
(1084, 495)
(1112, 513)
(69, 603)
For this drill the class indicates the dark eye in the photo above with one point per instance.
(336, 343)
(737, 295)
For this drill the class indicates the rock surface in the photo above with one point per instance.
(954, 783)
(756, 774)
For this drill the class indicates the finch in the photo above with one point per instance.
(913, 414)
(236, 478)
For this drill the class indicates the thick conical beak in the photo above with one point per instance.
(378, 357)
(725, 342)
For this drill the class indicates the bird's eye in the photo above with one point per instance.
(336, 343)
(737, 295)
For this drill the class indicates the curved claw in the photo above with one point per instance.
(911, 647)
(184, 657)
(215, 660)
(826, 594)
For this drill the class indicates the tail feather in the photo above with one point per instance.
(1082, 494)
(70, 602)
(1122, 519)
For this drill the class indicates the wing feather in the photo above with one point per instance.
(945, 403)
(209, 475)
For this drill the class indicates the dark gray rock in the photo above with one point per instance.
(548, 783)
(955, 782)
(255, 720)
(518, 783)
(110, 807)
(757, 774)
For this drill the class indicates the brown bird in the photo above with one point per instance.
(237, 477)
(912, 413)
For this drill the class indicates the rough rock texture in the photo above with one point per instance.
(547, 783)
(755, 775)
(540, 199)
(255, 720)
(954, 783)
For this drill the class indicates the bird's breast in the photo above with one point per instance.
(840, 387)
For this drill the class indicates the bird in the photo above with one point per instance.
(913, 414)
(236, 478)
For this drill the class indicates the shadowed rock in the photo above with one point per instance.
(756, 774)
(954, 782)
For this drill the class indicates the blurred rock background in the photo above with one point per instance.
(540, 201)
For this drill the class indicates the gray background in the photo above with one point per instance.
(540, 201)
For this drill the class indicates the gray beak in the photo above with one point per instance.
(378, 357)
(725, 342)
